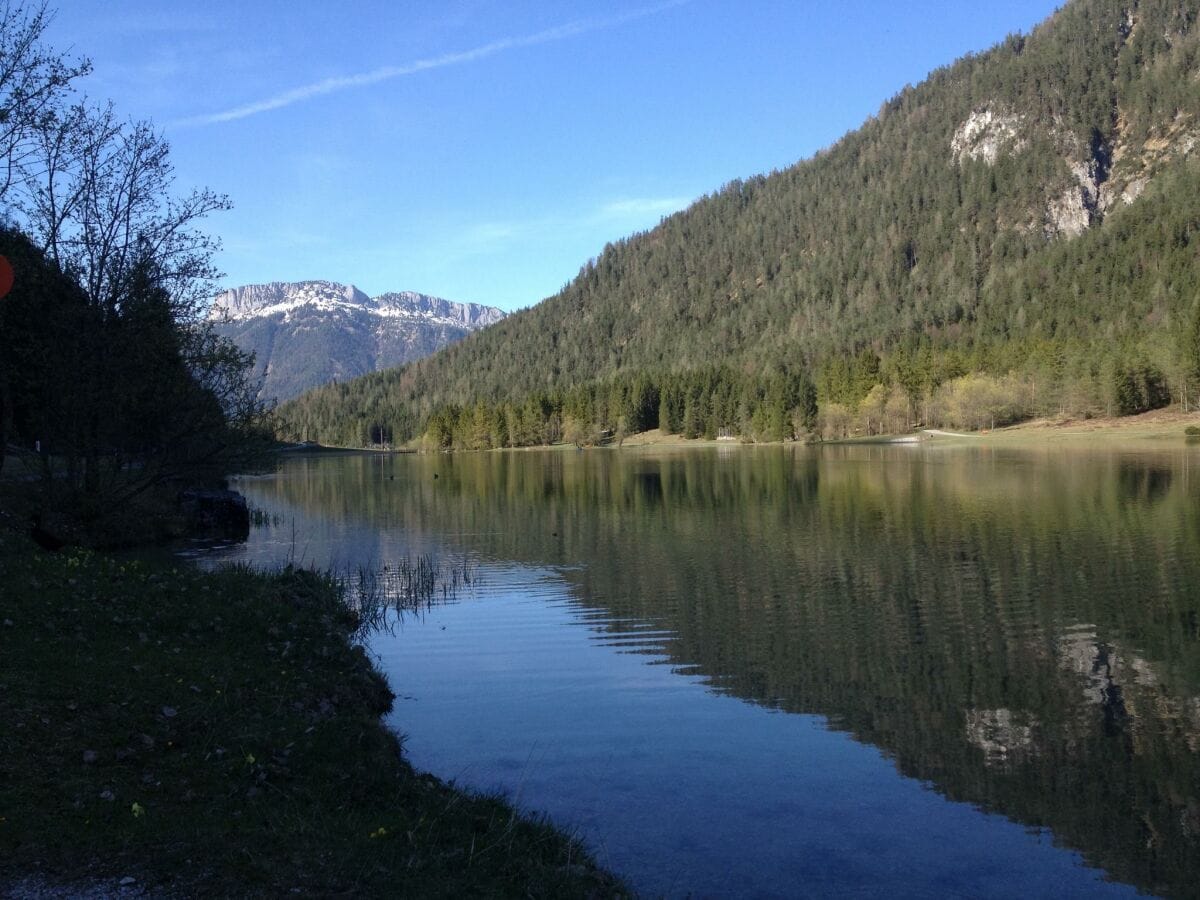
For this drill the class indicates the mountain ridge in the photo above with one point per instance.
(269, 298)
(308, 333)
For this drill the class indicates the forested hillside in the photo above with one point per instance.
(1015, 236)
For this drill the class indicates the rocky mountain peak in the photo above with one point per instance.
(469, 315)
(307, 333)
(278, 296)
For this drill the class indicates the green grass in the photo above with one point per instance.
(220, 734)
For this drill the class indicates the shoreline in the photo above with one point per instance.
(175, 732)
(1156, 425)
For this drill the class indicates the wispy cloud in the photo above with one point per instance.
(487, 237)
(640, 207)
(387, 73)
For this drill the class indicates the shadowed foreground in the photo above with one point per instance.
(220, 734)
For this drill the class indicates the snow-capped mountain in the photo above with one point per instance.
(307, 333)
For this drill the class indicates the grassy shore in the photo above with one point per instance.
(1153, 427)
(220, 734)
(1156, 425)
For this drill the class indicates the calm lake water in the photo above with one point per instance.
(905, 670)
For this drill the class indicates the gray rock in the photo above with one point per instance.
(216, 514)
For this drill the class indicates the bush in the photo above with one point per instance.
(979, 401)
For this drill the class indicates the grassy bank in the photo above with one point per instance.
(219, 734)
(1157, 426)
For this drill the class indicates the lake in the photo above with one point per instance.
(878, 670)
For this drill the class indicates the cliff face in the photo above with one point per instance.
(410, 303)
(1100, 175)
(256, 300)
(309, 333)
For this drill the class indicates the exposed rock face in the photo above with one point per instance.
(1102, 175)
(308, 333)
(1072, 212)
(255, 300)
(986, 135)
(1133, 190)
(410, 304)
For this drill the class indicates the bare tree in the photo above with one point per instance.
(104, 202)
(35, 81)
(96, 192)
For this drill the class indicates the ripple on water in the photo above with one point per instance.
(786, 671)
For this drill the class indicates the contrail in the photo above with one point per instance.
(387, 73)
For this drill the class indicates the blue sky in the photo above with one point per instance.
(484, 151)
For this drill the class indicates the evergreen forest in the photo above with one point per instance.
(1014, 237)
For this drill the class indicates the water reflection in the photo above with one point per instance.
(1018, 630)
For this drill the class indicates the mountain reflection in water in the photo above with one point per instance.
(1017, 630)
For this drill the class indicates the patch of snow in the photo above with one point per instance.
(329, 297)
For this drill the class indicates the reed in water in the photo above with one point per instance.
(409, 585)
